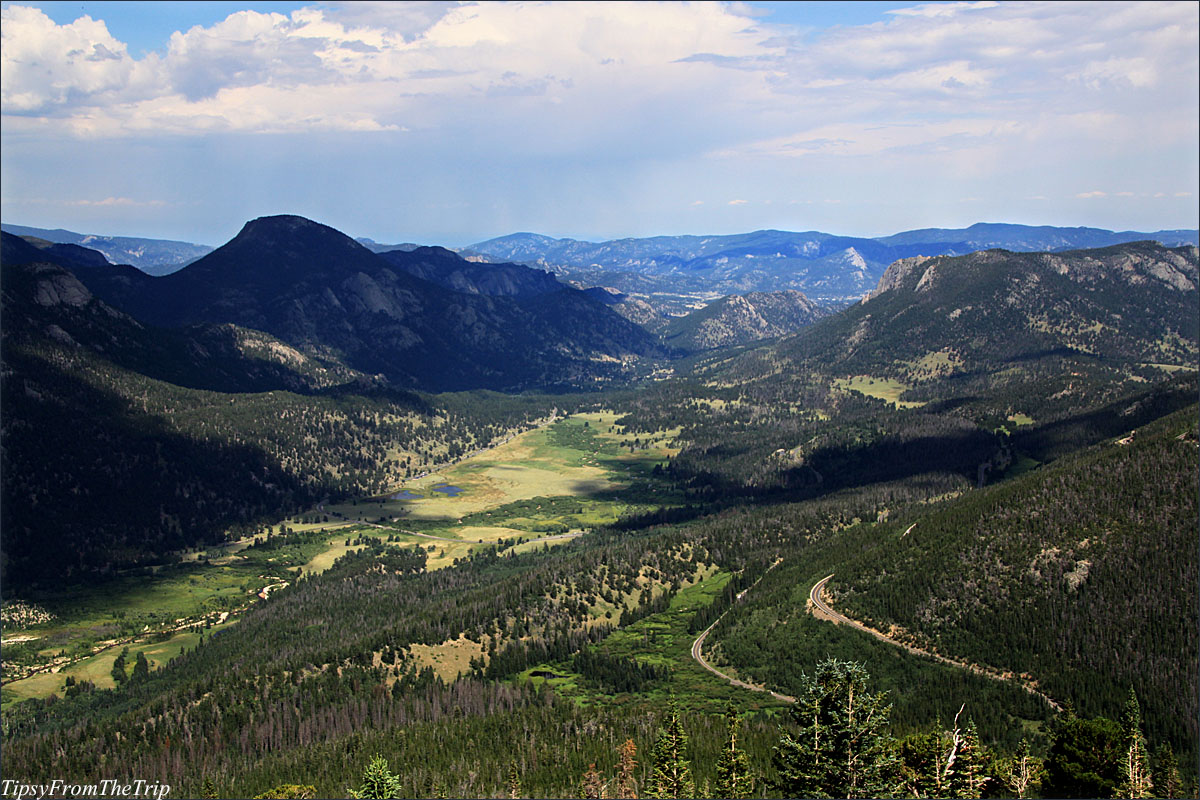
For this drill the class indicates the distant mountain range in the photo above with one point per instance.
(152, 256)
(677, 274)
(824, 266)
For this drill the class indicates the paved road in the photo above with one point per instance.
(698, 652)
(822, 610)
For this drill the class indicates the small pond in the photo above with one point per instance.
(405, 494)
(450, 491)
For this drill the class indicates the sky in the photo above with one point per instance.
(450, 123)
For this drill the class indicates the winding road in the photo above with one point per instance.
(822, 610)
(698, 649)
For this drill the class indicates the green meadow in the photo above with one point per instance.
(886, 389)
(539, 489)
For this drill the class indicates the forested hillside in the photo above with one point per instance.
(938, 316)
(221, 430)
(1037, 576)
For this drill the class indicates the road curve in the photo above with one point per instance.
(698, 651)
(822, 610)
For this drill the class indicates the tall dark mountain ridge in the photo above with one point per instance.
(472, 326)
(43, 299)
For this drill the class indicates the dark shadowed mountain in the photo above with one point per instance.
(72, 254)
(43, 300)
(326, 295)
(153, 256)
(741, 319)
(449, 270)
(824, 266)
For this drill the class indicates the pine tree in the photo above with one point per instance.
(733, 767)
(970, 779)
(843, 748)
(930, 762)
(1166, 773)
(118, 667)
(141, 668)
(672, 773)
(1134, 770)
(921, 757)
(626, 766)
(1084, 757)
(514, 781)
(1023, 771)
(378, 781)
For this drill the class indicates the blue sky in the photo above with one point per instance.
(449, 122)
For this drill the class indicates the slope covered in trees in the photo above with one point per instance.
(1043, 575)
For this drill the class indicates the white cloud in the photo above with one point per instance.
(585, 71)
(118, 201)
(941, 10)
(1091, 195)
(738, 202)
(43, 64)
(383, 67)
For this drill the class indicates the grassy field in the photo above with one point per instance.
(147, 610)
(555, 481)
(576, 457)
(932, 365)
(558, 480)
(449, 659)
(886, 389)
(98, 669)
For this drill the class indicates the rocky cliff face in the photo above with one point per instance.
(740, 319)
(896, 274)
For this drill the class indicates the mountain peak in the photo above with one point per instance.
(273, 229)
(284, 247)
